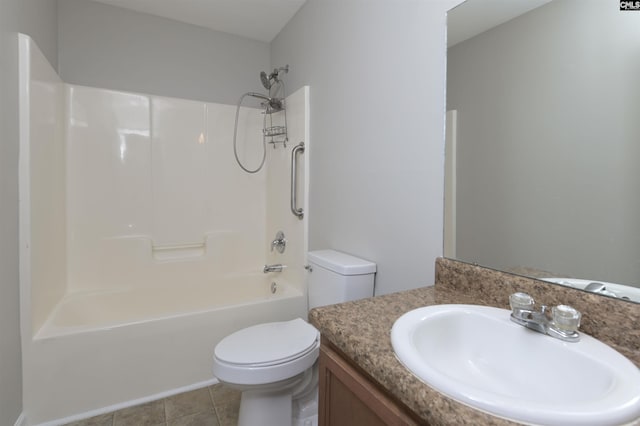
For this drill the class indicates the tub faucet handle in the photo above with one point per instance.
(280, 243)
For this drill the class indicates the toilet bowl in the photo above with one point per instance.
(274, 364)
(271, 364)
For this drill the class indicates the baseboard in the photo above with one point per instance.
(22, 420)
(125, 404)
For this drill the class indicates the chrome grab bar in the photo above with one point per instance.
(299, 212)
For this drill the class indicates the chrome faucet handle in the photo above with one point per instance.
(280, 243)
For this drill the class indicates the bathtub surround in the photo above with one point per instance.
(142, 242)
(43, 190)
(366, 343)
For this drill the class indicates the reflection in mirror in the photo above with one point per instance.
(548, 145)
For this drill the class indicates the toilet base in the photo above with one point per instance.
(305, 409)
(265, 408)
(291, 402)
(276, 410)
(307, 421)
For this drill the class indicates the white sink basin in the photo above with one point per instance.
(479, 357)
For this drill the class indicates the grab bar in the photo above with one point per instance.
(299, 212)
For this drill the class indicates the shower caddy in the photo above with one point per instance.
(275, 134)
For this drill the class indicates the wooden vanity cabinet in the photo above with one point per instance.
(348, 398)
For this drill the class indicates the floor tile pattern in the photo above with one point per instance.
(215, 405)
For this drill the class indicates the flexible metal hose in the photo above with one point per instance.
(235, 135)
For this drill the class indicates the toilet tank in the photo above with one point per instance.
(337, 277)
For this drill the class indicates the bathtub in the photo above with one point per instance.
(103, 350)
(84, 312)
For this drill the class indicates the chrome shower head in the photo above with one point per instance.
(273, 104)
(266, 80)
(259, 96)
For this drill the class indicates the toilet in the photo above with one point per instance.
(274, 364)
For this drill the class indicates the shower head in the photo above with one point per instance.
(273, 104)
(266, 81)
(259, 96)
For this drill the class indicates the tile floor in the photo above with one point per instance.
(215, 405)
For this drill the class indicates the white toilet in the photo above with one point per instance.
(273, 364)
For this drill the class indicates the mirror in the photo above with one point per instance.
(547, 144)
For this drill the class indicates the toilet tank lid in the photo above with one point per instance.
(341, 263)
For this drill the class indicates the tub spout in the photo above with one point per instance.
(273, 268)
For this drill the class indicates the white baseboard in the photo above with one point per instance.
(125, 404)
(21, 421)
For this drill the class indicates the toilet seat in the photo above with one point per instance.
(266, 353)
(268, 344)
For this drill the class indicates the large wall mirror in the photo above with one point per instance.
(545, 171)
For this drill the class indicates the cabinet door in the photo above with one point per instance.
(347, 398)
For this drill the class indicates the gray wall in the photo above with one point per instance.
(114, 48)
(548, 175)
(38, 19)
(376, 72)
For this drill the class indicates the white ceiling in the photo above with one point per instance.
(255, 19)
(263, 19)
(477, 16)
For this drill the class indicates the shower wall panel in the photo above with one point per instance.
(109, 183)
(279, 215)
(154, 194)
(42, 183)
(181, 173)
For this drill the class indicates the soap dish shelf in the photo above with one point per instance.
(273, 133)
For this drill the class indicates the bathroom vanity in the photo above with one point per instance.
(360, 377)
(351, 398)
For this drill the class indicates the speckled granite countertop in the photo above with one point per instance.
(361, 330)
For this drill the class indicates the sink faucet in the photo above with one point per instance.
(562, 322)
(273, 268)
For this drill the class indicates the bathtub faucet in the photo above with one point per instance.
(273, 268)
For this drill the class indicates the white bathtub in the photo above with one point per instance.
(83, 312)
(102, 350)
